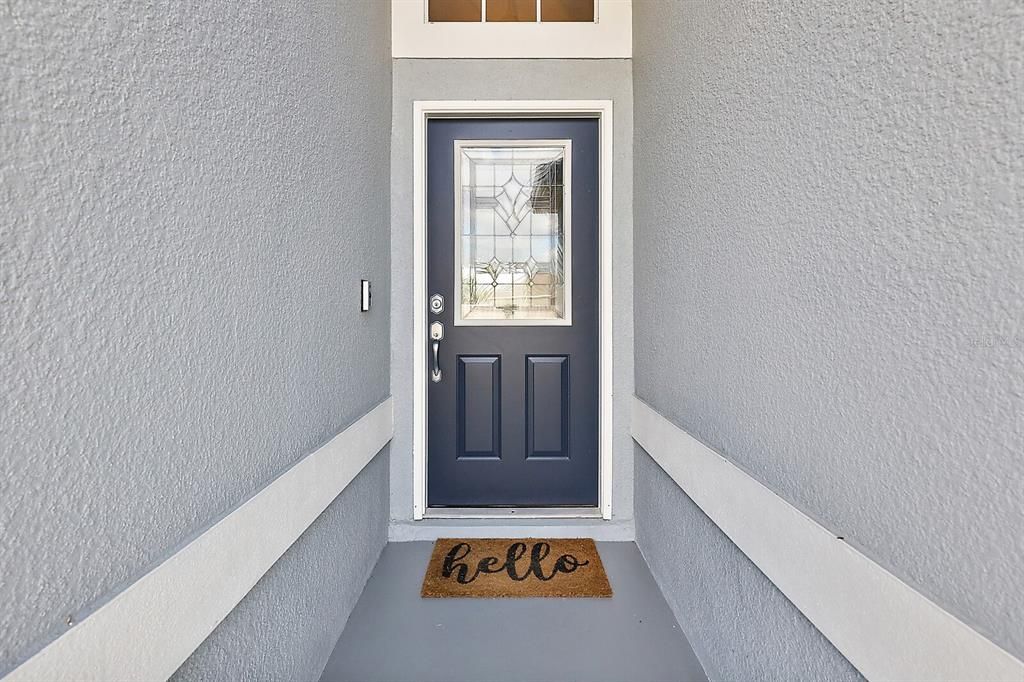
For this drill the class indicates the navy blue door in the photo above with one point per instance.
(512, 276)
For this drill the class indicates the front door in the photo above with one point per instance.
(512, 277)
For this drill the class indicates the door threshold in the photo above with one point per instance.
(512, 513)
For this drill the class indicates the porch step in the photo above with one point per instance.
(431, 529)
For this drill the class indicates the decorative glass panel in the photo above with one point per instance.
(511, 10)
(566, 10)
(512, 232)
(453, 10)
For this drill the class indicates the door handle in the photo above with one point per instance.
(436, 333)
(435, 375)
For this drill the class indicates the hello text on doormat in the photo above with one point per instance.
(531, 567)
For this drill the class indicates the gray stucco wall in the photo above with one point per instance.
(741, 627)
(511, 79)
(829, 199)
(191, 195)
(284, 631)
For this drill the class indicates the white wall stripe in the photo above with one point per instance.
(884, 627)
(147, 631)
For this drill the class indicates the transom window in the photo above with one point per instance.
(512, 29)
(511, 11)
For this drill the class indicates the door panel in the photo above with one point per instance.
(512, 247)
(547, 406)
(479, 396)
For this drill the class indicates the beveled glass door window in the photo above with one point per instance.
(512, 232)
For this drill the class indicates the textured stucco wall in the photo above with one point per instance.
(740, 625)
(510, 79)
(829, 203)
(282, 633)
(191, 193)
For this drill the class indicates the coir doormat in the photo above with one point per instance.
(529, 567)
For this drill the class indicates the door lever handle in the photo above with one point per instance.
(436, 333)
(435, 374)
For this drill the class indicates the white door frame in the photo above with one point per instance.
(427, 109)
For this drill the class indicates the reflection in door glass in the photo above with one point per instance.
(512, 233)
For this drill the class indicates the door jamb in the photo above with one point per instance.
(427, 109)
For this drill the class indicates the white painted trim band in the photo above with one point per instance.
(147, 631)
(884, 627)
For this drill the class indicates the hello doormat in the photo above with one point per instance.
(530, 567)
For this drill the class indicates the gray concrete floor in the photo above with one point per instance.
(395, 636)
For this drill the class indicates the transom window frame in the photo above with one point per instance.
(538, 12)
(609, 36)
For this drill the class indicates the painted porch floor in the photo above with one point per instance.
(395, 636)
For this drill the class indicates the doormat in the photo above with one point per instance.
(475, 567)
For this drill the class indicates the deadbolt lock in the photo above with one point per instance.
(437, 304)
